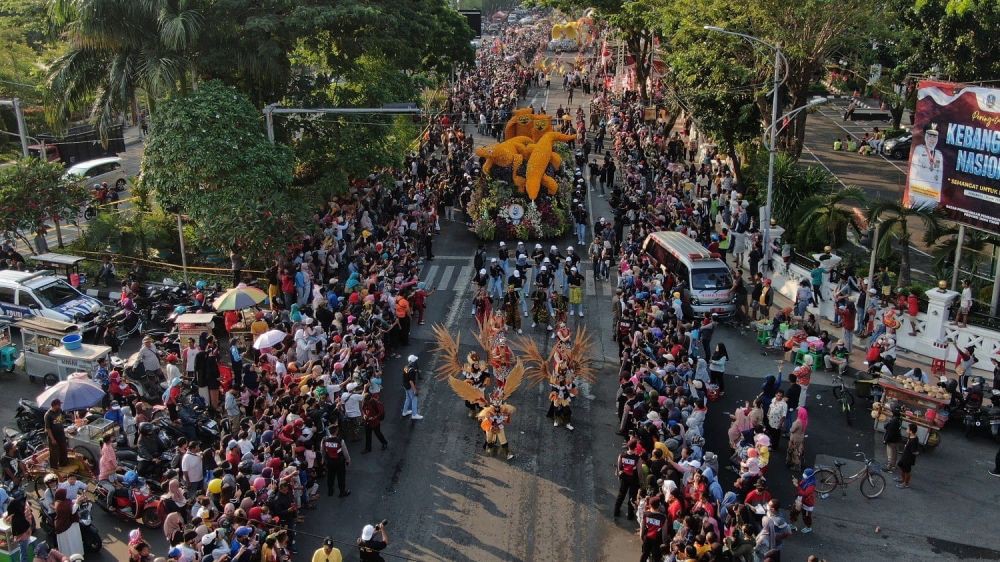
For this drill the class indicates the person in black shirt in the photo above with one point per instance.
(369, 546)
(55, 423)
(21, 521)
(11, 466)
(628, 479)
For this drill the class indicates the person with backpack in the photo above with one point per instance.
(337, 460)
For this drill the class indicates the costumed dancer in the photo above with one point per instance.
(475, 373)
(497, 414)
(562, 390)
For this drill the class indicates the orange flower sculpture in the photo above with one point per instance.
(541, 155)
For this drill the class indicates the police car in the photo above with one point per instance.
(41, 293)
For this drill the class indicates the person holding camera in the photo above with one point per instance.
(369, 546)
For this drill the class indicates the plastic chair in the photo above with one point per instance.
(800, 357)
(763, 336)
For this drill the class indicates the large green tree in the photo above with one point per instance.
(122, 48)
(207, 157)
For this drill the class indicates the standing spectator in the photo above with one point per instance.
(908, 457)
(192, 466)
(327, 552)
(965, 305)
(796, 439)
(373, 413)
(892, 438)
(776, 415)
(55, 431)
(410, 405)
(805, 500)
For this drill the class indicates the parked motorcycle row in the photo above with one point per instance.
(146, 452)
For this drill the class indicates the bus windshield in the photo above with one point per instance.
(711, 279)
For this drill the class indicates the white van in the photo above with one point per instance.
(706, 278)
(100, 170)
(41, 293)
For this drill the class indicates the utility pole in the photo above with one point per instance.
(21, 128)
(272, 109)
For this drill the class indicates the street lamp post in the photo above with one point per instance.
(779, 58)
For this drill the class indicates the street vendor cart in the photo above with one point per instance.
(85, 439)
(923, 404)
(64, 263)
(192, 326)
(47, 356)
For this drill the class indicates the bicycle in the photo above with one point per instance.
(872, 482)
(844, 397)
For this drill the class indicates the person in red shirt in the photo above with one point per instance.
(759, 495)
(651, 528)
(912, 310)
(805, 500)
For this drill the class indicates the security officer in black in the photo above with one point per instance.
(337, 459)
(628, 479)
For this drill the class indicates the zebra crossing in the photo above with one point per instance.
(451, 278)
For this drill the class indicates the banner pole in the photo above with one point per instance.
(958, 257)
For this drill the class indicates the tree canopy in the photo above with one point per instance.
(32, 192)
(207, 157)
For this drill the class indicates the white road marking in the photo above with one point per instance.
(458, 304)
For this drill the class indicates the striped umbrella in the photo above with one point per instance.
(239, 298)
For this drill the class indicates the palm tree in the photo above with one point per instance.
(118, 48)
(973, 247)
(893, 218)
(824, 219)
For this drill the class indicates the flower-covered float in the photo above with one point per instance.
(521, 194)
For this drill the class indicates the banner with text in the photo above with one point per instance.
(955, 153)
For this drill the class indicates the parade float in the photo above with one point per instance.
(522, 194)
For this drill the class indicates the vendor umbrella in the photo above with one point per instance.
(76, 393)
(239, 298)
(269, 338)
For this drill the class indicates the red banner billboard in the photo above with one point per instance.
(955, 153)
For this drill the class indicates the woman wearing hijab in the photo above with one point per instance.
(109, 458)
(796, 439)
(805, 499)
(768, 390)
(717, 367)
(66, 523)
(175, 499)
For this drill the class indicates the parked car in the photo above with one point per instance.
(99, 171)
(898, 148)
(24, 294)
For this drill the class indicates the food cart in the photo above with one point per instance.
(64, 263)
(45, 355)
(192, 325)
(86, 438)
(922, 404)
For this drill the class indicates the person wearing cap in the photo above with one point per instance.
(370, 545)
(503, 256)
(575, 282)
(496, 273)
(327, 552)
(149, 359)
(54, 422)
(410, 375)
(244, 545)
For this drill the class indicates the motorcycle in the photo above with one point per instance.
(195, 425)
(29, 416)
(130, 497)
(984, 419)
(92, 540)
(25, 443)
